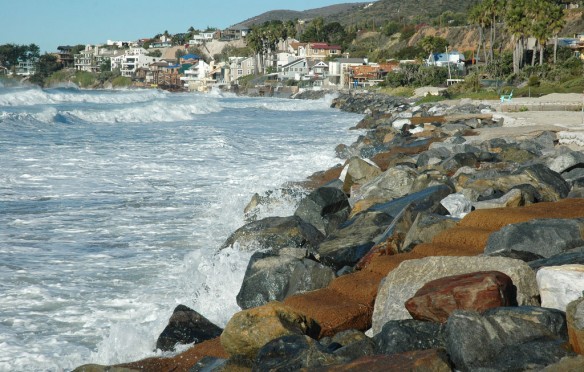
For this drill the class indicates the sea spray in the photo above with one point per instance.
(112, 213)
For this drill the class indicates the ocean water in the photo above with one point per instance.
(113, 206)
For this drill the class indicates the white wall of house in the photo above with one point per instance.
(197, 74)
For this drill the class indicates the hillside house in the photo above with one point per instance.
(340, 73)
(196, 76)
(241, 66)
(234, 33)
(294, 70)
(94, 56)
(64, 56)
(452, 58)
(201, 38)
(321, 51)
(132, 60)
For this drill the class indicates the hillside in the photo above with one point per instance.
(364, 12)
(410, 10)
(326, 12)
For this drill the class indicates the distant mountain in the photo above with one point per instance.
(377, 11)
(406, 10)
(326, 12)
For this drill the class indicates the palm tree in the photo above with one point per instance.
(517, 24)
(557, 21)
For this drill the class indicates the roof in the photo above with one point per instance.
(190, 56)
(350, 60)
(324, 46)
(294, 62)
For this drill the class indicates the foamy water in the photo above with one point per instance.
(113, 205)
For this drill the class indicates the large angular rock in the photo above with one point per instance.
(567, 364)
(565, 160)
(550, 185)
(292, 353)
(249, 330)
(478, 291)
(186, 326)
(325, 208)
(403, 282)
(347, 245)
(425, 227)
(275, 233)
(573, 256)
(272, 277)
(514, 198)
(391, 184)
(544, 237)
(575, 320)
(359, 172)
(560, 285)
(398, 336)
(434, 360)
(506, 338)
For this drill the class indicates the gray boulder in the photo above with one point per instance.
(400, 336)
(272, 277)
(459, 160)
(275, 233)
(506, 338)
(404, 281)
(293, 353)
(574, 174)
(566, 160)
(359, 172)
(347, 245)
(425, 227)
(391, 184)
(325, 208)
(186, 326)
(544, 237)
(572, 257)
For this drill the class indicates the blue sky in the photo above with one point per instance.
(50, 23)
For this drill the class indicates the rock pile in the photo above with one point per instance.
(449, 252)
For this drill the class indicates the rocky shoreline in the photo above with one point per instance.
(434, 247)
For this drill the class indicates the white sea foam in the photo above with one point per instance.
(106, 228)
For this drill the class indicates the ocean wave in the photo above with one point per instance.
(31, 96)
(47, 115)
(284, 104)
(158, 111)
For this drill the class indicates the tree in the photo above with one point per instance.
(179, 53)
(46, 65)
(155, 53)
(430, 44)
(556, 24)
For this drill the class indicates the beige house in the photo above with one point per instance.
(241, 66)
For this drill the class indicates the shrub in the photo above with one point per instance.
(121, 81)
(84, 79)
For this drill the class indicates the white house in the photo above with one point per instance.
(201, 38)
(132, 60)
(196, 76)
(444, 59)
